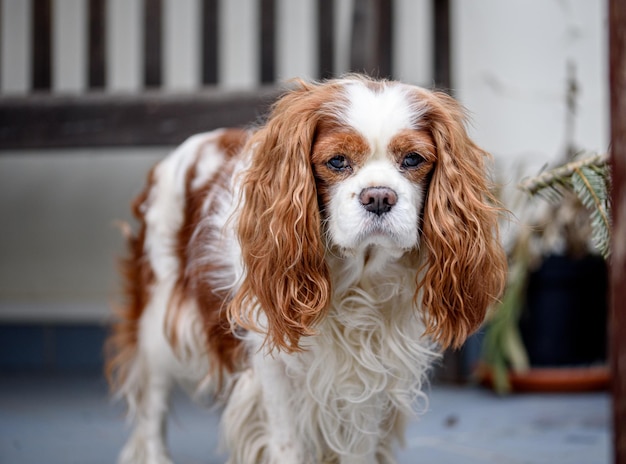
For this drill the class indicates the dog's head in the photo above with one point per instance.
(351, 164)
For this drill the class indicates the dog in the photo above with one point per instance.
(305, 274)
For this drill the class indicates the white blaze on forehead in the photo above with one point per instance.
(379, 114)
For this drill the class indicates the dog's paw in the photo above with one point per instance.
(140, 450)
(286, 452)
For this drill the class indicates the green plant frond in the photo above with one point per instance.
(500, 375)
(589, 178)
(502, 346)
(515, 352)
(591, 188)
(552, 193)
(555, 180)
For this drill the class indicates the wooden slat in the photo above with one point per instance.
(617, 325)
(385, 38)
(371, 49)
(210, 45)
(441, 42)
(97, 41)
(268, 41)
(153, 20)
(361, 41)
(1, 60)
(150, 118)
(42, 44)
(326, 38)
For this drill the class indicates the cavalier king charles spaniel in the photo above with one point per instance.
(307, 273)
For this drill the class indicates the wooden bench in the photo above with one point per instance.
(152, 116)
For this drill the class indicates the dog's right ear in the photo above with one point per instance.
(279, 225)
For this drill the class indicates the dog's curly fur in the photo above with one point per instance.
(306, 273)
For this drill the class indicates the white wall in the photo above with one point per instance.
(510, 69)
(59, 243)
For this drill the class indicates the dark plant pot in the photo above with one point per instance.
(565, 318)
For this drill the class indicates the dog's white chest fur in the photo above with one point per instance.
(354, 382)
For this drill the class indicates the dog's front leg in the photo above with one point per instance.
(365, 452)
(284, 445)
(147, 442)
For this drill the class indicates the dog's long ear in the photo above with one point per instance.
(465, 269)
(279, 227)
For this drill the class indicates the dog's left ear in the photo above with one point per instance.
(465, 268)
(279, 227)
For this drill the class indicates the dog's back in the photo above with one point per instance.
(172, 323)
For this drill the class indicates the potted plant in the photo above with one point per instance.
(553, 312)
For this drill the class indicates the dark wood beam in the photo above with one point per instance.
(152, 46)
(150, 118)
(372, 45)
(267, 41)
(326, 38)
(617, 324)
(442, 74)
(42, 45)
(210, 44)
(97, 44)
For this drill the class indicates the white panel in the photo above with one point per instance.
(510, 70)
(16, 44)
(69, 45)
(181, 44)
(343, 35)
(59, 243)
(124, 36)
(238, 44)
(412, 39)
(297, 39)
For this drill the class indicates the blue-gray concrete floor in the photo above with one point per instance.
(65, 420)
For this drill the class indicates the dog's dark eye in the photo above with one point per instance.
(338, 163)
(412, 160)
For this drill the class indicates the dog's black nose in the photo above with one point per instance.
(378, 200)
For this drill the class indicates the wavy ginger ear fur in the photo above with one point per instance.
(465, 269)
(279, 224)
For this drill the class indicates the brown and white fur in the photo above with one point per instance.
(307, 273)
